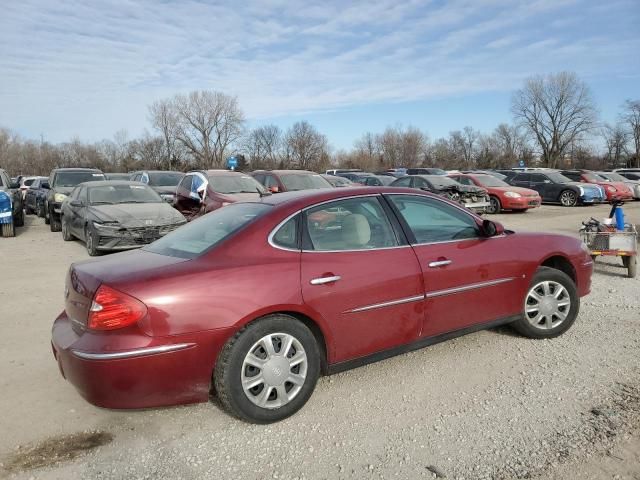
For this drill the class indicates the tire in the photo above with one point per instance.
(534, 323)
(232, 366)
(18, 221)
(568, 198)
(47, 220)
(8, 230)
(91, 241)
(54, 221)
(28, 210)
(40, 210)
(495, 207)
(64, 227)
(632, 266)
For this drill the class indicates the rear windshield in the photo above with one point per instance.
(201, 235)
(491, 181)
(71, 179)
(440, 181)
(165, 179)
(235, 184)
(302, 181)
(113, 194)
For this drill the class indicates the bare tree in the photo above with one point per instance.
(556, 110)
(464, 144)
(207, 123)
(163, 118)
(306, 148)
(631, 117)
(616, 139)
(263, 146)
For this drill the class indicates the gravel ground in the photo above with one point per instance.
(487, 405)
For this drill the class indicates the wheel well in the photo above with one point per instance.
(561, 263)
(317, 333)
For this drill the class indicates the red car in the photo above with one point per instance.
(613, 190)
(502, 196)
(277, 181)
(253, 301)
(204, 191)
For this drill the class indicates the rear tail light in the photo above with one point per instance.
(112, 309)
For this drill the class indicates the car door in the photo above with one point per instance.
(469, 279)
(360, 276)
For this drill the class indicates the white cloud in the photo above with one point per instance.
(90, 68)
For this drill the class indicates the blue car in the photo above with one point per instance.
(11, 213)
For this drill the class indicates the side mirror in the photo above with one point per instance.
(76, 203)
(14, 185)
(274, 189)
(45, 185)
(547, 181)
(492, 229)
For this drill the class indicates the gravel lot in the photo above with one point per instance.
(488, 405)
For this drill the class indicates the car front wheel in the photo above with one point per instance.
(551, 305)
(268, 370)
(494, 205)
(568, 198)
(66, 232)
(91, 241)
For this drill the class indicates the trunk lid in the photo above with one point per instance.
(84, 278)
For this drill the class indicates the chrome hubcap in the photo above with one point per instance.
(547, 305)
(567, 198)
(274, 370)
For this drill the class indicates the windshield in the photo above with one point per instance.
(591, 177)
(558, 177)
(385, 179)
(112, 194)
(440, 181)
(165, 179)
(614, 177)
(71, 179)
(335, 181)
(201, 235)
(491, 181)
(235, 184)
(303, 181)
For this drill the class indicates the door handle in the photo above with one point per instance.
(439, 263)
(323, 280)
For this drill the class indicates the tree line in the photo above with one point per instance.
(555, 124)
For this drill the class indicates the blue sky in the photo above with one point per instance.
(88, 69)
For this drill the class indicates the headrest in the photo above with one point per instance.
(355, 230)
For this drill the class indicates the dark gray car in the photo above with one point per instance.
(116, 215)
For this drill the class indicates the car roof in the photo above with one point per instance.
(295, 172)
(77, 169)
(110, 183)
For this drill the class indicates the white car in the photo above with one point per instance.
(25, 183)
(634, 185)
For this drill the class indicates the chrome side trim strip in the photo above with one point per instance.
(471, 286)
(400, 301)
(132, 353)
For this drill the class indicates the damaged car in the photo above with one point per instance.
(116, 215)
(474, 198)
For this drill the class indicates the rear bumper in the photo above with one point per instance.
(133, 370)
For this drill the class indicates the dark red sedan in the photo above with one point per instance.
(253, 301)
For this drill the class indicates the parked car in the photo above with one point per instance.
(117, 176)
(163, 182)
(554, 187)
(634, 185)
(502, 196)
(336, 181)
(11, 205)
(36, 195)
(493, 173)
(358, 178)
(25, 183)
(61, 182)
(613, 190)
(277, 181)
(114, 215)
(336, 171)
(474, 198)
(377, 180)
(204, 191)
(214, 321)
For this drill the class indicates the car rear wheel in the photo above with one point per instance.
(268, 370)
(47, 219)
(66, 232)
(19, 219)
(40, 210)
(551, 305)
(568, 198)
(494, 205)
(28, 210)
